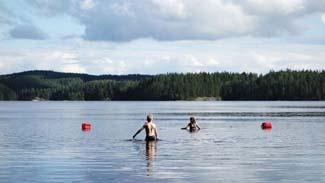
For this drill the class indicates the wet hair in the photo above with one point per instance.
(192, 120)
(149, 117)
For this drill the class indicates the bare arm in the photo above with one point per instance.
(138, 132)
(198, 126)
(188, 125)
(156, 133)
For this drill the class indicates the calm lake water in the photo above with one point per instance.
(43, 142)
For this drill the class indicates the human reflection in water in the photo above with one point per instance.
(151, 150)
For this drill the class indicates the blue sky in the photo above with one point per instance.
(160, 36)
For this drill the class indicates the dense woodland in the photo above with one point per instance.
(49, 85)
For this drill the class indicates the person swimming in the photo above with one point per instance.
(192, 125)
(151, 129)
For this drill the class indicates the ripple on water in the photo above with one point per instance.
(44, 143)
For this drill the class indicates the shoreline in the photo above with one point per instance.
(162, 100)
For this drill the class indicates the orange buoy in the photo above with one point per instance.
(86, 126)
(266, 125)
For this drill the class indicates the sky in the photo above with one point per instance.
(161, 36)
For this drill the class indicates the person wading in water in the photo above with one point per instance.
(151, 130)
(192, 125)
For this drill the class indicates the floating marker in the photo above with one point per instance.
(266, 125)
(86, 126)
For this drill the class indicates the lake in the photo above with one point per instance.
(43, 142)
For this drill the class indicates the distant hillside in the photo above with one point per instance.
(85, 77)
(50, 85)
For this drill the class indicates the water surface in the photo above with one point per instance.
(43, 142)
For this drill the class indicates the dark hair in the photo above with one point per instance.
(149, 117)
(192, 119)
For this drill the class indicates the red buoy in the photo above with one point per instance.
(86, 126)
(266, 125)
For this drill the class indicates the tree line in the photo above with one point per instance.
(49, 85)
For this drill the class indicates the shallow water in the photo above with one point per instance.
(43, 142)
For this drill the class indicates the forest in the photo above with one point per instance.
(275, 85)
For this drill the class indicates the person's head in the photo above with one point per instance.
(149, 117)
(192, 119)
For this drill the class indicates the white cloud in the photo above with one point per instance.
(152, 57)
(210, 35)
(212, 62)
(292, 58)
(323, 18)
(42, 59)
(273, 7)
(171, 8)
(122, 9)
(74, 68)
(127, 20)
(87, 4)
(106, 65)
(60, 56)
